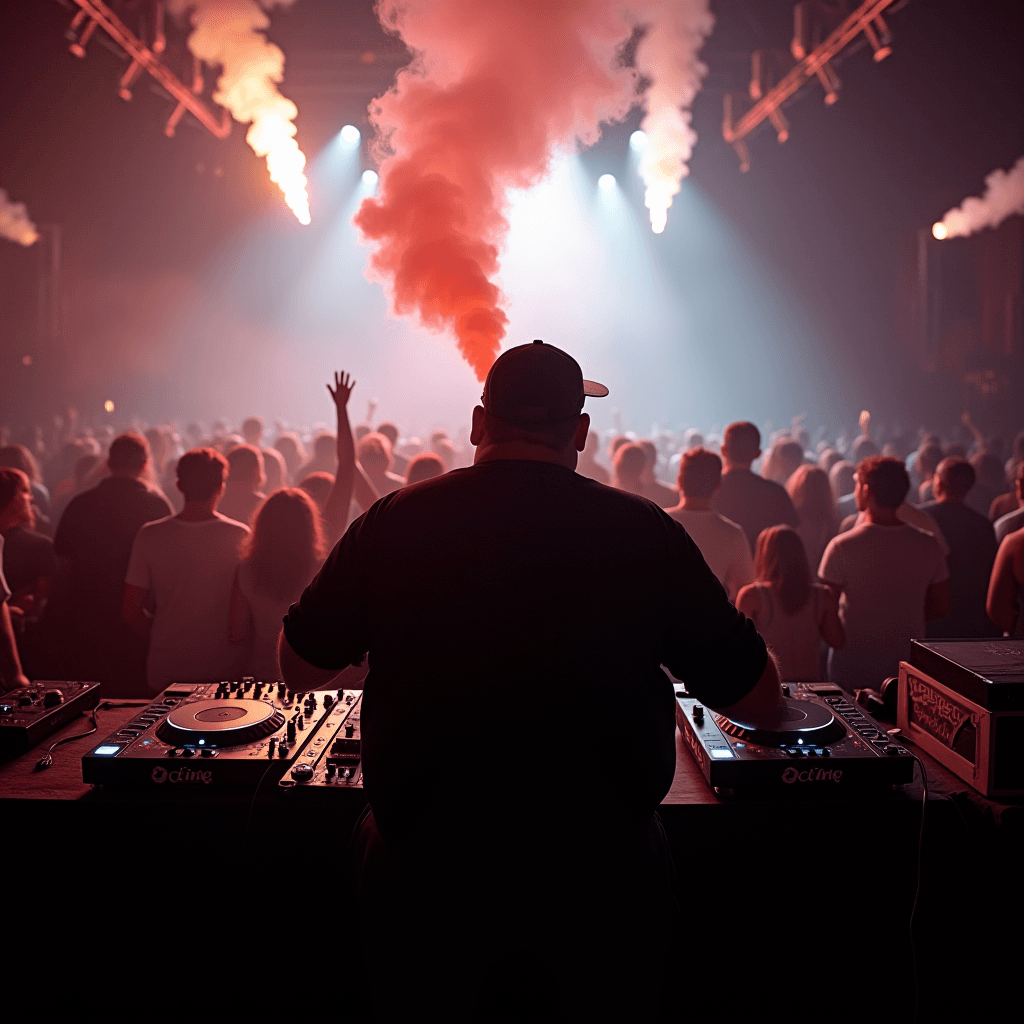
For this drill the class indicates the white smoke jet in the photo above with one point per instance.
(230, 33)
(667, 55)
(1004, 196)
(15, 222)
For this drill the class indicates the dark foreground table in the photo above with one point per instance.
(176, 905)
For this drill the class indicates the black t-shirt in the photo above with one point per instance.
(516, 616)
(754, 503)
(95, 534)
(972, 551)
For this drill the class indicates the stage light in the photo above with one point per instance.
(939, 230)
(607, 182)
(638, 140)
(26, 360)
(108, 405)
(350, 136)
(370, 178)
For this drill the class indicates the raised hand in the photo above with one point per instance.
(343, 385)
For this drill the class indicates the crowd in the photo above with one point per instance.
(161, 555)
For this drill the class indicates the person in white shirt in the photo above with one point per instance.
(890, 578)
(722, 542)
(180, 575)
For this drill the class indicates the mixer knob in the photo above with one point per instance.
(785, 690)
(282, 750)
(188, 752)
(331, 769)
(258, 691)
(291, 731)
(281, 690)
(24, 701)
(350, 731)
(271, 745)
(328, 700)
(698, 712)
(52, 698)
(302, 772)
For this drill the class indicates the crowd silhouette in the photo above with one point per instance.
(164, 554)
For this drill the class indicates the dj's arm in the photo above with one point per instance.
(299, 674)
(761, 705)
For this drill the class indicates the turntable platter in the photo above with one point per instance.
(221, 723)
(802, 722)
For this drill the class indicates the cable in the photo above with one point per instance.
(917, 888)
(46, 760)
(252, 805)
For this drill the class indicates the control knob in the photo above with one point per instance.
(302, 772)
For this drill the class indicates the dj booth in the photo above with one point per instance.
(172, 901)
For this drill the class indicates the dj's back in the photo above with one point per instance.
(529, 610)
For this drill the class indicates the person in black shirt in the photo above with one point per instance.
(972, 552)
(744, 497)
(514, 773)
(93, 543)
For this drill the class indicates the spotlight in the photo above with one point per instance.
(108, 405)
(370, 178)
(350, 135)
(638, 140)
(939, 230)
(607, 182)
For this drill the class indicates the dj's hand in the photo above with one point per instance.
(763, 706)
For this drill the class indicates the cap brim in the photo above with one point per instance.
(591, 389)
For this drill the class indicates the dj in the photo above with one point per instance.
(518, 729)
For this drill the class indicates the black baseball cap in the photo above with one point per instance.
(537, 383)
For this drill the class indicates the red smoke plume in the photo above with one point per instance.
(496, 87)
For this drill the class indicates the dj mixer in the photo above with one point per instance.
(332, 757)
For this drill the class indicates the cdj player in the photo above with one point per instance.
(208, 734)
(824, 745)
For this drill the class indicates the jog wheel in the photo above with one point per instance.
(220, 723)
(802, 722)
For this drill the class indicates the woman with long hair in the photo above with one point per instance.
(791, 611)
(286, 548)
(819, 521)
(283, 553)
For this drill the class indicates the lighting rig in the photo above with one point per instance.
(774, 80)
(93, 14)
